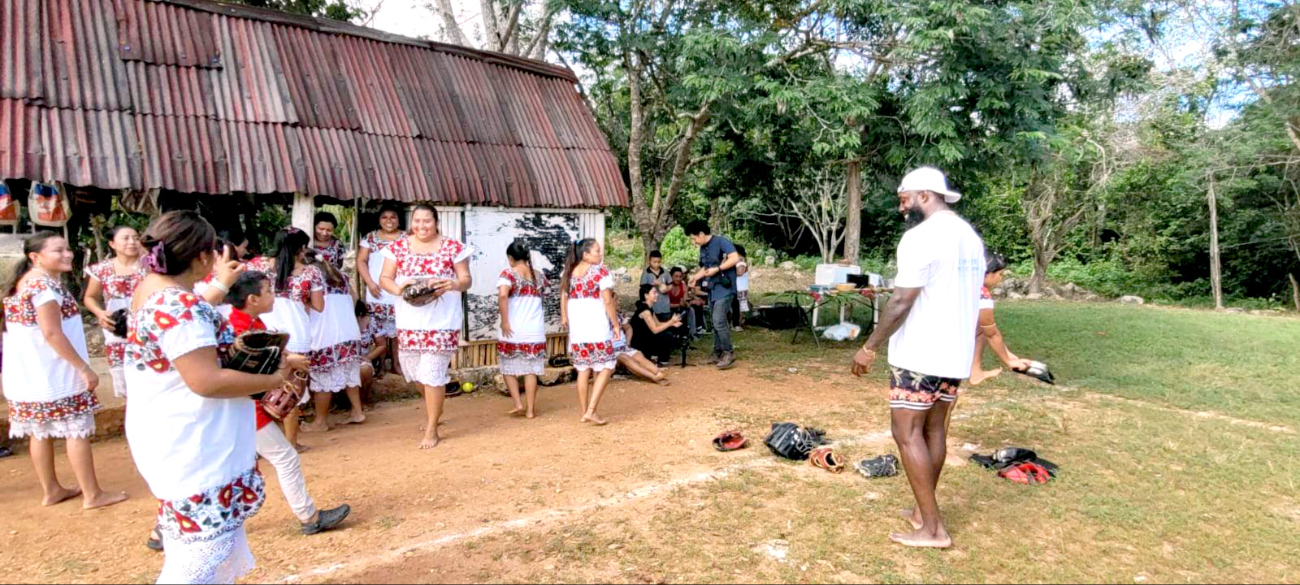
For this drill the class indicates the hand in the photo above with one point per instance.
(564, 322)
(228, 268)
(91, 378)
(106, 322)
(862, 361)
(296, 361)
(618, 333)
(374, 289)
(1018, 365)
(444, 286)
(506, 331)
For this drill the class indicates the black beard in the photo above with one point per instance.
(914, 216)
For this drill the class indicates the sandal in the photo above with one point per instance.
(453, 390)
(154, 543)
(826, 458)
(883, 466)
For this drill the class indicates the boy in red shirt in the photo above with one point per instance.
(250, 298)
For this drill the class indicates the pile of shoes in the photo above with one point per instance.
(1018, 465)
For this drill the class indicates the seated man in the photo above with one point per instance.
(988, 333)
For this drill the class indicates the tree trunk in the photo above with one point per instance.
(453, 32)
(1295, 291)
(717, 222)
(853, 224)
(1216, 274)
(1042, 260)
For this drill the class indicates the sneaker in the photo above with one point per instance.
(327, 520)
(727, 361)
(713, 359)
(737, 329)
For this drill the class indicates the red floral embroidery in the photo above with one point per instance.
(587, 286)
(332, 253)
(299, 287)
(54, 410)
(116, 286)
(19, 309)
(507, 349)
(429, 341)
(167, 309)
(590, 354)
(324, 359)
(440, 264)
(210, 514)
(522, 287)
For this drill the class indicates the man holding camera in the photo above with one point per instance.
(717, 275)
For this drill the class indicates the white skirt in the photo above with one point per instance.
(337, 378)
(427, 368)
(81, 426)
(221, 560)
(523, 366)
(291, 317)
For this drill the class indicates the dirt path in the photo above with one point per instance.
(492, 474)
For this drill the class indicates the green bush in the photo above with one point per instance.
(678, 249)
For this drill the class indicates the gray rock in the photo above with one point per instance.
(1132, 300)
(769, 261)
(1236, 310)
(1015, 296)
(1050, 292)
(1034, 296)
(788, 265)
(1091, 298)
(999, 292)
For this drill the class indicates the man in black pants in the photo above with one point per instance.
(717, 273)
(930, 326)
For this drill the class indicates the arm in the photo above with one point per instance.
(988, 327)
(202, 372)
(900, 304)
(376, 350)
(317, 301)
(503, 305)
(363, 261)
(93, 299)
(564, 309)
(657, 326)
(50, 320)
(611, 313)
(388, 278)
(227, 272)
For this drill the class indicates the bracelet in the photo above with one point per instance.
(217, 284)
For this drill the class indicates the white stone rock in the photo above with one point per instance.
(1132, 300)
(769, 261)
(1034, 296)
(788, 265)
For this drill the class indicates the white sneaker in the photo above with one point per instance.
(738, 329)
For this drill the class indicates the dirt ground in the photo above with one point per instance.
(492, 474)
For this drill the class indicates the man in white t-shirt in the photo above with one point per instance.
(930, 324)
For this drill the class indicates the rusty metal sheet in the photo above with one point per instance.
(163, 34)
(21, 66)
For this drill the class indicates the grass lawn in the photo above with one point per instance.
(1168, 473)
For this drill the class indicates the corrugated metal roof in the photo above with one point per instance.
(192, 96)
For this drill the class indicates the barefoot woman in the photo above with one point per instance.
(587, 310)
(109, 286)
(47, 377)
(521, 349)
(428, 336)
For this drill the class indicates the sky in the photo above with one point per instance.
(411, 18)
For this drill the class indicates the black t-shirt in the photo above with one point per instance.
(642, 335)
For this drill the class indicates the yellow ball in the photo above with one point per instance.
(466, 387)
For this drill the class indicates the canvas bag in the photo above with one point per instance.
(9, 207)
(48, 205)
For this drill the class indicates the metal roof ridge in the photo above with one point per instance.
(330, 26)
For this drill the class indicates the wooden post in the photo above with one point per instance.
(356, 247)
(1216, 276)
(853, 227)
(304, 211)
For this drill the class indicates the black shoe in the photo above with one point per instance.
(327, 520)
(5, 452)
(727, 361)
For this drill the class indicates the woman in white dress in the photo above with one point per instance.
(370, 264)
(47, 377)
(299, 291)
(428, 336)
(587, 310)
(191, 425)
(335, 363)
(109, 286)
(521, 348)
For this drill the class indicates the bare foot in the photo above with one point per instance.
(516, 411)
(316, 427)
(529, 415)
(430, 442)
(300, 448)
(596, 420)
(977, 379)
(913, 516)
(920, 539)
(663, 381)
(104, 500)
(63, 495)
(356, 418)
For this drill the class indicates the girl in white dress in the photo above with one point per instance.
(521, 348)
(109, 286)
(587, 310)
(191, 425)
(428, 336)
(47, 377)
(370, 265)
(299, 291)
(335, 363)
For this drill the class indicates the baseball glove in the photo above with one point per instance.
(257, 352)
(421, 293)
(729, 441)
(119, 323)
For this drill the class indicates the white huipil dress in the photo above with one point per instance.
(198, 455)
(524, 352)
(381, 307)
(118, 289)
(335, 364)
(591, 340)
(289, 314)
(428, 336)
(48, 398)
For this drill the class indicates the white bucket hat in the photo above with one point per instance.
(929, 179)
